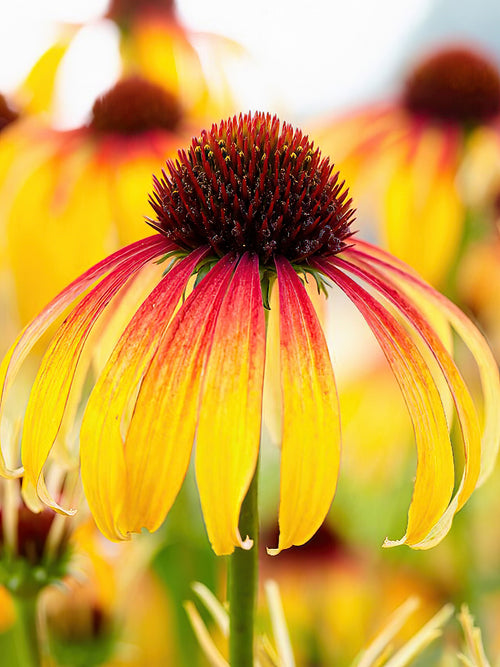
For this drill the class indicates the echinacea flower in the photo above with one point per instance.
(410, 151)
(70, 197)
(249, 208)
(153, 43)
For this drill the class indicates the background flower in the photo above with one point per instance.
(404, 155)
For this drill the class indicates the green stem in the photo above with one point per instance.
(242, 584)
(26, 631)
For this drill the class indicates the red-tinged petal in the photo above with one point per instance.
(101, 440)
(311, 423)
(161, 433)
(435, 469)
(53, 383)
(11, 363)
(466, 412)
(480, 457)
(412, 296)
(228, 436)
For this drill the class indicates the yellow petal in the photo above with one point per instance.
(101, 449)
(424, 216)
(228, 436)
(159, 441)
(479, 452)
(311, 423)
(37, 91)
(52, 203)
(54, 380)
(434, 479)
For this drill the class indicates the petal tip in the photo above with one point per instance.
(388, 544)
(246, 544)
(273, 552)
(13, 473)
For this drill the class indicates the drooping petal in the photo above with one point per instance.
(161, 433)
(228, 436)
(129, 163)
(52, 385)
(311, 424)
(435, 469)
(466, 413)
(35, 329)
(414, 299)
(417, 291)
(101, 440)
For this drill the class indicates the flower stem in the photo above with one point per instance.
(26, 631)
(242, 584)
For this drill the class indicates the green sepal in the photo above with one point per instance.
(25, 579)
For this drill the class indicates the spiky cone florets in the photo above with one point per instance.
(253, 184)
(455, 84)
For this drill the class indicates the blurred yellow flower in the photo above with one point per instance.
(70, 197)
(51, 180)
(404, 156)
(153, 43)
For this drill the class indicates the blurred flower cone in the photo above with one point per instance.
(34, 547)
(154, 43)
(112, 611)
(403, 156)
(333, 601)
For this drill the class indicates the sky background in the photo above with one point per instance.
(302, 58)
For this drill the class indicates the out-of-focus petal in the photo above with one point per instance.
(129, 163)
(37, 90)
(101, 440)
(311, 424)
(52, 385)
(164, 53)
(435, 469)
(228, 435)
(35, 329)
(422, 203)
(59, 222)
(363, 145)
(160, 438)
